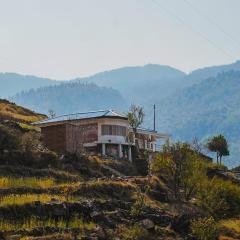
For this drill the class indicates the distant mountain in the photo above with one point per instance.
(213, 71)
(141, 85)
(205, 109)
(70, 98)
(12, 83)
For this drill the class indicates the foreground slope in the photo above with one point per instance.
(49, 197)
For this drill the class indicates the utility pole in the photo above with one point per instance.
(154, 117)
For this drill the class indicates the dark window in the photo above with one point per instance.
(114, 130)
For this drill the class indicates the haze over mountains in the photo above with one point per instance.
(200, 104)
(12, 83)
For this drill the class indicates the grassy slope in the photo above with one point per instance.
(39, 196)
(11, 111)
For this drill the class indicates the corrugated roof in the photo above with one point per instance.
(83, 115)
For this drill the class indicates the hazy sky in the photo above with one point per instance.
(71, 38)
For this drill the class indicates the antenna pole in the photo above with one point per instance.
(154, 117)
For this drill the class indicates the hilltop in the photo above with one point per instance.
(11, 111)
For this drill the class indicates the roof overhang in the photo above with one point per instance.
(108, 114)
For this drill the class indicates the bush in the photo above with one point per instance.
(134, 232)
(219, 198)
(9, 140)
(205, 228)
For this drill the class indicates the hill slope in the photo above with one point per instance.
(213, 71)
(208, 108)
(70, 97)
(140, 84)
(10, 111)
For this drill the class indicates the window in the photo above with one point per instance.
(114, 130)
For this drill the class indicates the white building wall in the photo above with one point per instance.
(112, 138)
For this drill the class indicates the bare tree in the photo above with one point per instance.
(51, 113)
(135, 118)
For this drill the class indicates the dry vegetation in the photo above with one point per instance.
(34, 222)
(27, 182)
(11, 111)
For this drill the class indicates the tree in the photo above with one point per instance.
(51, 113)
(219, 145)
(135, 118)
(182, 168)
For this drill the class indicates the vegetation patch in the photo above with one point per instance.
(29, 182)
(34, 222)
(106, 189)
(17, 199)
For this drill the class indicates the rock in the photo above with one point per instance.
(99, 233)
(147, 224)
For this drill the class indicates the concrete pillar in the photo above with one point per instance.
(120, 153)
(103, 149)
(130, 153)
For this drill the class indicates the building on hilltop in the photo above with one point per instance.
(105, 131)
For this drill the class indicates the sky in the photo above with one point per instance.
(65, 39)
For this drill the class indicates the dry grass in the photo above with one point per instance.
(57, 236)
(227, 238)
(34, 222)
(105, 189)
(11, 111)
(232, 224)
(20, 199)
(28, 182)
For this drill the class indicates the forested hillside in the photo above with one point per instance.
(208, 108)
(70, 98)
(204, 73)
(142, 85)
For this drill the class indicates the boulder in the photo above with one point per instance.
(147, 224)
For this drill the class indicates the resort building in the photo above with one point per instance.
(105, 131)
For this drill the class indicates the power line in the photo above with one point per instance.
(212, 21)
(178, 19)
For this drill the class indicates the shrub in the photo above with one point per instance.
(181, 167)
(30, 141)
(220, 198)
(205, 228)
(134, 232)
(9, 139)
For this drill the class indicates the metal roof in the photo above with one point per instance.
(83, 115)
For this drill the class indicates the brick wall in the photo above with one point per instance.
(54, 137)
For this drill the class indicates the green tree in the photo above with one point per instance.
(182, 168)
(219, 145)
